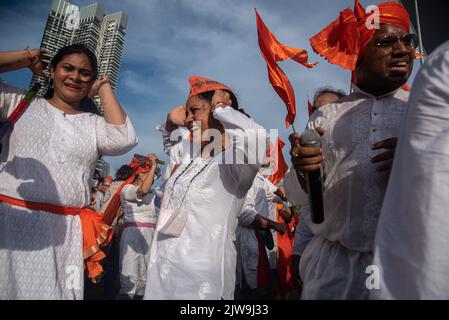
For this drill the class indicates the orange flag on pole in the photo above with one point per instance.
(273, 51)
(280, 166)
(309, 107)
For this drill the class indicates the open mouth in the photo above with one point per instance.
(399, 66)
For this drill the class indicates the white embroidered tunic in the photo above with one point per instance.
(247, 246)
(201, 262)
(333, 264)
(49, 157)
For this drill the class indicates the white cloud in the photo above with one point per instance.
(169, 40)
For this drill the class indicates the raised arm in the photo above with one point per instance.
(28, 58)
(113, 111)
(145, 187)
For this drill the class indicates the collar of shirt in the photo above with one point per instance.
(357, 90)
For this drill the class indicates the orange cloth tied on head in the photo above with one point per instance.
(138, 166)
(199, 85)
(345, 40)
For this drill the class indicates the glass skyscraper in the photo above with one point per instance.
(103, 33)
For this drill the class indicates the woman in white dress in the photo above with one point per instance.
(193, 255)
(46, 169)
(140, 217)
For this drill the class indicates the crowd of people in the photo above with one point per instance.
(217, 226)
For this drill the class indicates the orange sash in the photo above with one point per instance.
(96, 233)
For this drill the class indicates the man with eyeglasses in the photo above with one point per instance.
(358, 140)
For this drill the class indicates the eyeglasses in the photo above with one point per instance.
(409, 40)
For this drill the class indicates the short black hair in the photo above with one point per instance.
(328, 89)
(207, 96)
(124, 172)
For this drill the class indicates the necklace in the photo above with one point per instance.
(191, 180)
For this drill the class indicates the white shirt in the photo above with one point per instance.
(303, 234)
(256, 202)
(333, 264)
(411, 243)
(49, 157)
(136, 209)
(201, 262)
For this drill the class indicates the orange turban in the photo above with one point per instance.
(199, 85)
(343, 41)
(138, 166)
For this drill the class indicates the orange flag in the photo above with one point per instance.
(273, 51)
(280, 167)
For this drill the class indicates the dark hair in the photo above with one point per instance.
(320, 91)
(87, 104)
(207, 96)
(124, 172)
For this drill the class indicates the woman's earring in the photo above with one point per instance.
(50, 83)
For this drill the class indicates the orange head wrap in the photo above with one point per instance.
(343, 41)
(199, 85)
(138, 166)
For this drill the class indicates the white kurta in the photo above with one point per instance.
(201, 262)
(334, 263)
(303, 234)
(50, 158)
(247, 246)
(135, 242)
(412, 236)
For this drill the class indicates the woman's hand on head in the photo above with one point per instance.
(37, 64)
(97, 85)
(220, 97)
(177, 116)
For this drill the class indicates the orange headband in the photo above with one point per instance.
(199, 85)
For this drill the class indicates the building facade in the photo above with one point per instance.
(103, 33)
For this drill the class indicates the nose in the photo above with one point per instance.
(189, 118)
(75, 76)
(399, 48)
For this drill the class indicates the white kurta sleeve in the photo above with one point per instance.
(129, 193)
(10, 97)
(170, 139)
(250, 142)
(411, 241)
(114, 140)
(248, 213)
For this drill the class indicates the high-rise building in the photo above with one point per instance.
(89, 25)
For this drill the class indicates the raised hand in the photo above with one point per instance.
(176, 118)
(36, 61)
(305, 159)
(221, 97)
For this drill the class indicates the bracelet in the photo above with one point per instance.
(102, 82)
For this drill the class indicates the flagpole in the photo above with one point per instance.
(291, 120)
(418, 25)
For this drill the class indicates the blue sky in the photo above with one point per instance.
(169, 40)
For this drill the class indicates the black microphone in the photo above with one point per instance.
(311, 138)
